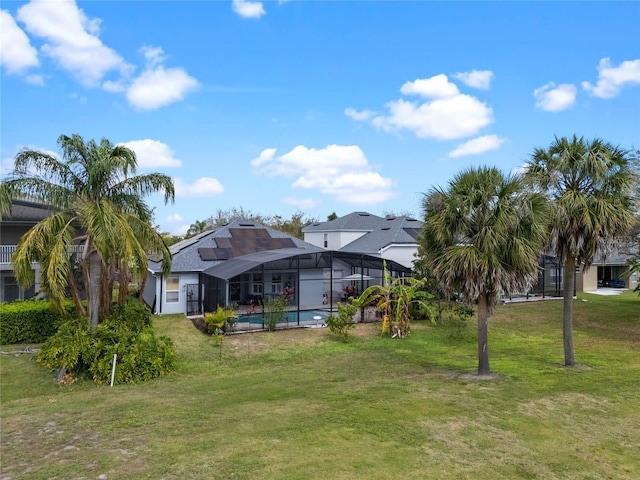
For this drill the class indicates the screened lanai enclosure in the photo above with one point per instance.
(309, 283)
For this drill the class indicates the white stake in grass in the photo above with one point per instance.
(113, 369)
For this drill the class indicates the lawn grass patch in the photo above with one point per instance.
(303, 404)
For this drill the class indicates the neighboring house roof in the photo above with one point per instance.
(238, 238)
(25, 212)
(356, 221)
(380, 232)
(389, 231)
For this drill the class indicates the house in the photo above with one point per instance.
(391, 238)
(245, 263)
(23, 215)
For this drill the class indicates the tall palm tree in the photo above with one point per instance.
(481, 238)
(97, 200)
(589, 183)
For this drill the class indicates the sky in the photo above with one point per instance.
(316, 107)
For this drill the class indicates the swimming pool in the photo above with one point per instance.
(306, 317)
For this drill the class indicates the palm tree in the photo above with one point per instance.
(97, 200)
(197, 227)
(589, 183)
(481, 238)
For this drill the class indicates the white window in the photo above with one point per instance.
(257, 283)
(326, 240)
(276, 283)
(172, 295)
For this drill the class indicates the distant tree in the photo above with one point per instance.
(406, 213)
(97, 200)
(223, 217)
(170, 239)
(481, 238)
(332, 216)
(590, 185)
(197, 227)
(293, 226)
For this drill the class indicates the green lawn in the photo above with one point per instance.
(302, 404)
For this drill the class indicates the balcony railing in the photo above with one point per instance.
(6, 251)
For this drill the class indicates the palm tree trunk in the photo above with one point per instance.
(75, 294)
(143, 284)
(94, 285)
(569, 283)
(123, 284)
(483, 336)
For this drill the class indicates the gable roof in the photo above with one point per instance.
(389, 231)
(380, 232)
(236, 239)
(356, 221)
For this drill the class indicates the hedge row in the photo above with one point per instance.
(32, 321)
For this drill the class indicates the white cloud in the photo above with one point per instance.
(445, 119)
(438, 86)
(16, 52)
(477, 146)
(71, 39)
(248, 9)
(180, 230)
(175, 218)
(160, 87)
(202, 187)
(301, 203)
(552, 98)
(340, 171)
(480, 79)
(611, 79)
(153, 55)
(265, 156)
(152, 153)
(359, 115)
(446, 114)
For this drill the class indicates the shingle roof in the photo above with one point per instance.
(381, 232)
(202, 251)
(27, 212)
(391, 230)
(356, 221)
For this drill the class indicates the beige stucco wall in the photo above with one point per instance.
(587, 281)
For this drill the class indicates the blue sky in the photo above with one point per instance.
(316, 106)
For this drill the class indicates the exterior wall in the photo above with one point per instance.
(345, 238)
(403, 254)
(587, 281)
(335, 240)
(181, 305)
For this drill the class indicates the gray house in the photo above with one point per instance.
(243, 264)
(390, 238)
(24, 215)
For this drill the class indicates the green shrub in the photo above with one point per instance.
(219, 320)
(128, 332)
(342, 323)
(31, 321)
(274, 310)
(454, 317)
(68, 347)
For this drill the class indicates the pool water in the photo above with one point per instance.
(306, 317)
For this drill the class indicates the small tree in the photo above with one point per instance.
(396, 299)
(343, 323)
(274, 312)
